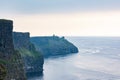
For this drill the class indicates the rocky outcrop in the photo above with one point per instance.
(33, 59)
(53, 46)
(10, 60)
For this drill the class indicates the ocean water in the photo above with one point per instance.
(98, 59)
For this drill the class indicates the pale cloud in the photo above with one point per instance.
(63, 17)
(70, 24)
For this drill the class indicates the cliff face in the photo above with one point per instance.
(53, 45)
(33, 59)
(10, 60)
(21, 40)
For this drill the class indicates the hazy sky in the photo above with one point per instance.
(64, 17)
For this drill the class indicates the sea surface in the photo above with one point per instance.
(98, 59)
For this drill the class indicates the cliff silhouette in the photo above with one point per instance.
(11, 64)
(21, 55)
(53, 46)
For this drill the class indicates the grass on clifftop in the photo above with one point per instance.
(24, 52)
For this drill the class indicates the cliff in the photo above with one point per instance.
(11, 65)
(53, 46)
(33, 59)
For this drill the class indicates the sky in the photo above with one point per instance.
(63, 17)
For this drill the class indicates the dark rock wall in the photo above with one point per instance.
(6, 41)
(33, 59)
(53, 46)
(21, 40)
(9, 58)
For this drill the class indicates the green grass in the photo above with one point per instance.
(24, 52)
(3, 61)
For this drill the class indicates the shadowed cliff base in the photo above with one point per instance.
(3, 71)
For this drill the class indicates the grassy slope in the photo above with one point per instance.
(24, 52)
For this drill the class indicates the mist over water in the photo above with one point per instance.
(98, 59)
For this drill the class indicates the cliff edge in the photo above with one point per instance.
(53, 46)
(33, 59)
(11, 64)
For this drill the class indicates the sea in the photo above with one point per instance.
(98, 59)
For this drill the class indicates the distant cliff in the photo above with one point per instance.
(11, 64)
(33, 59)
(53, 45)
